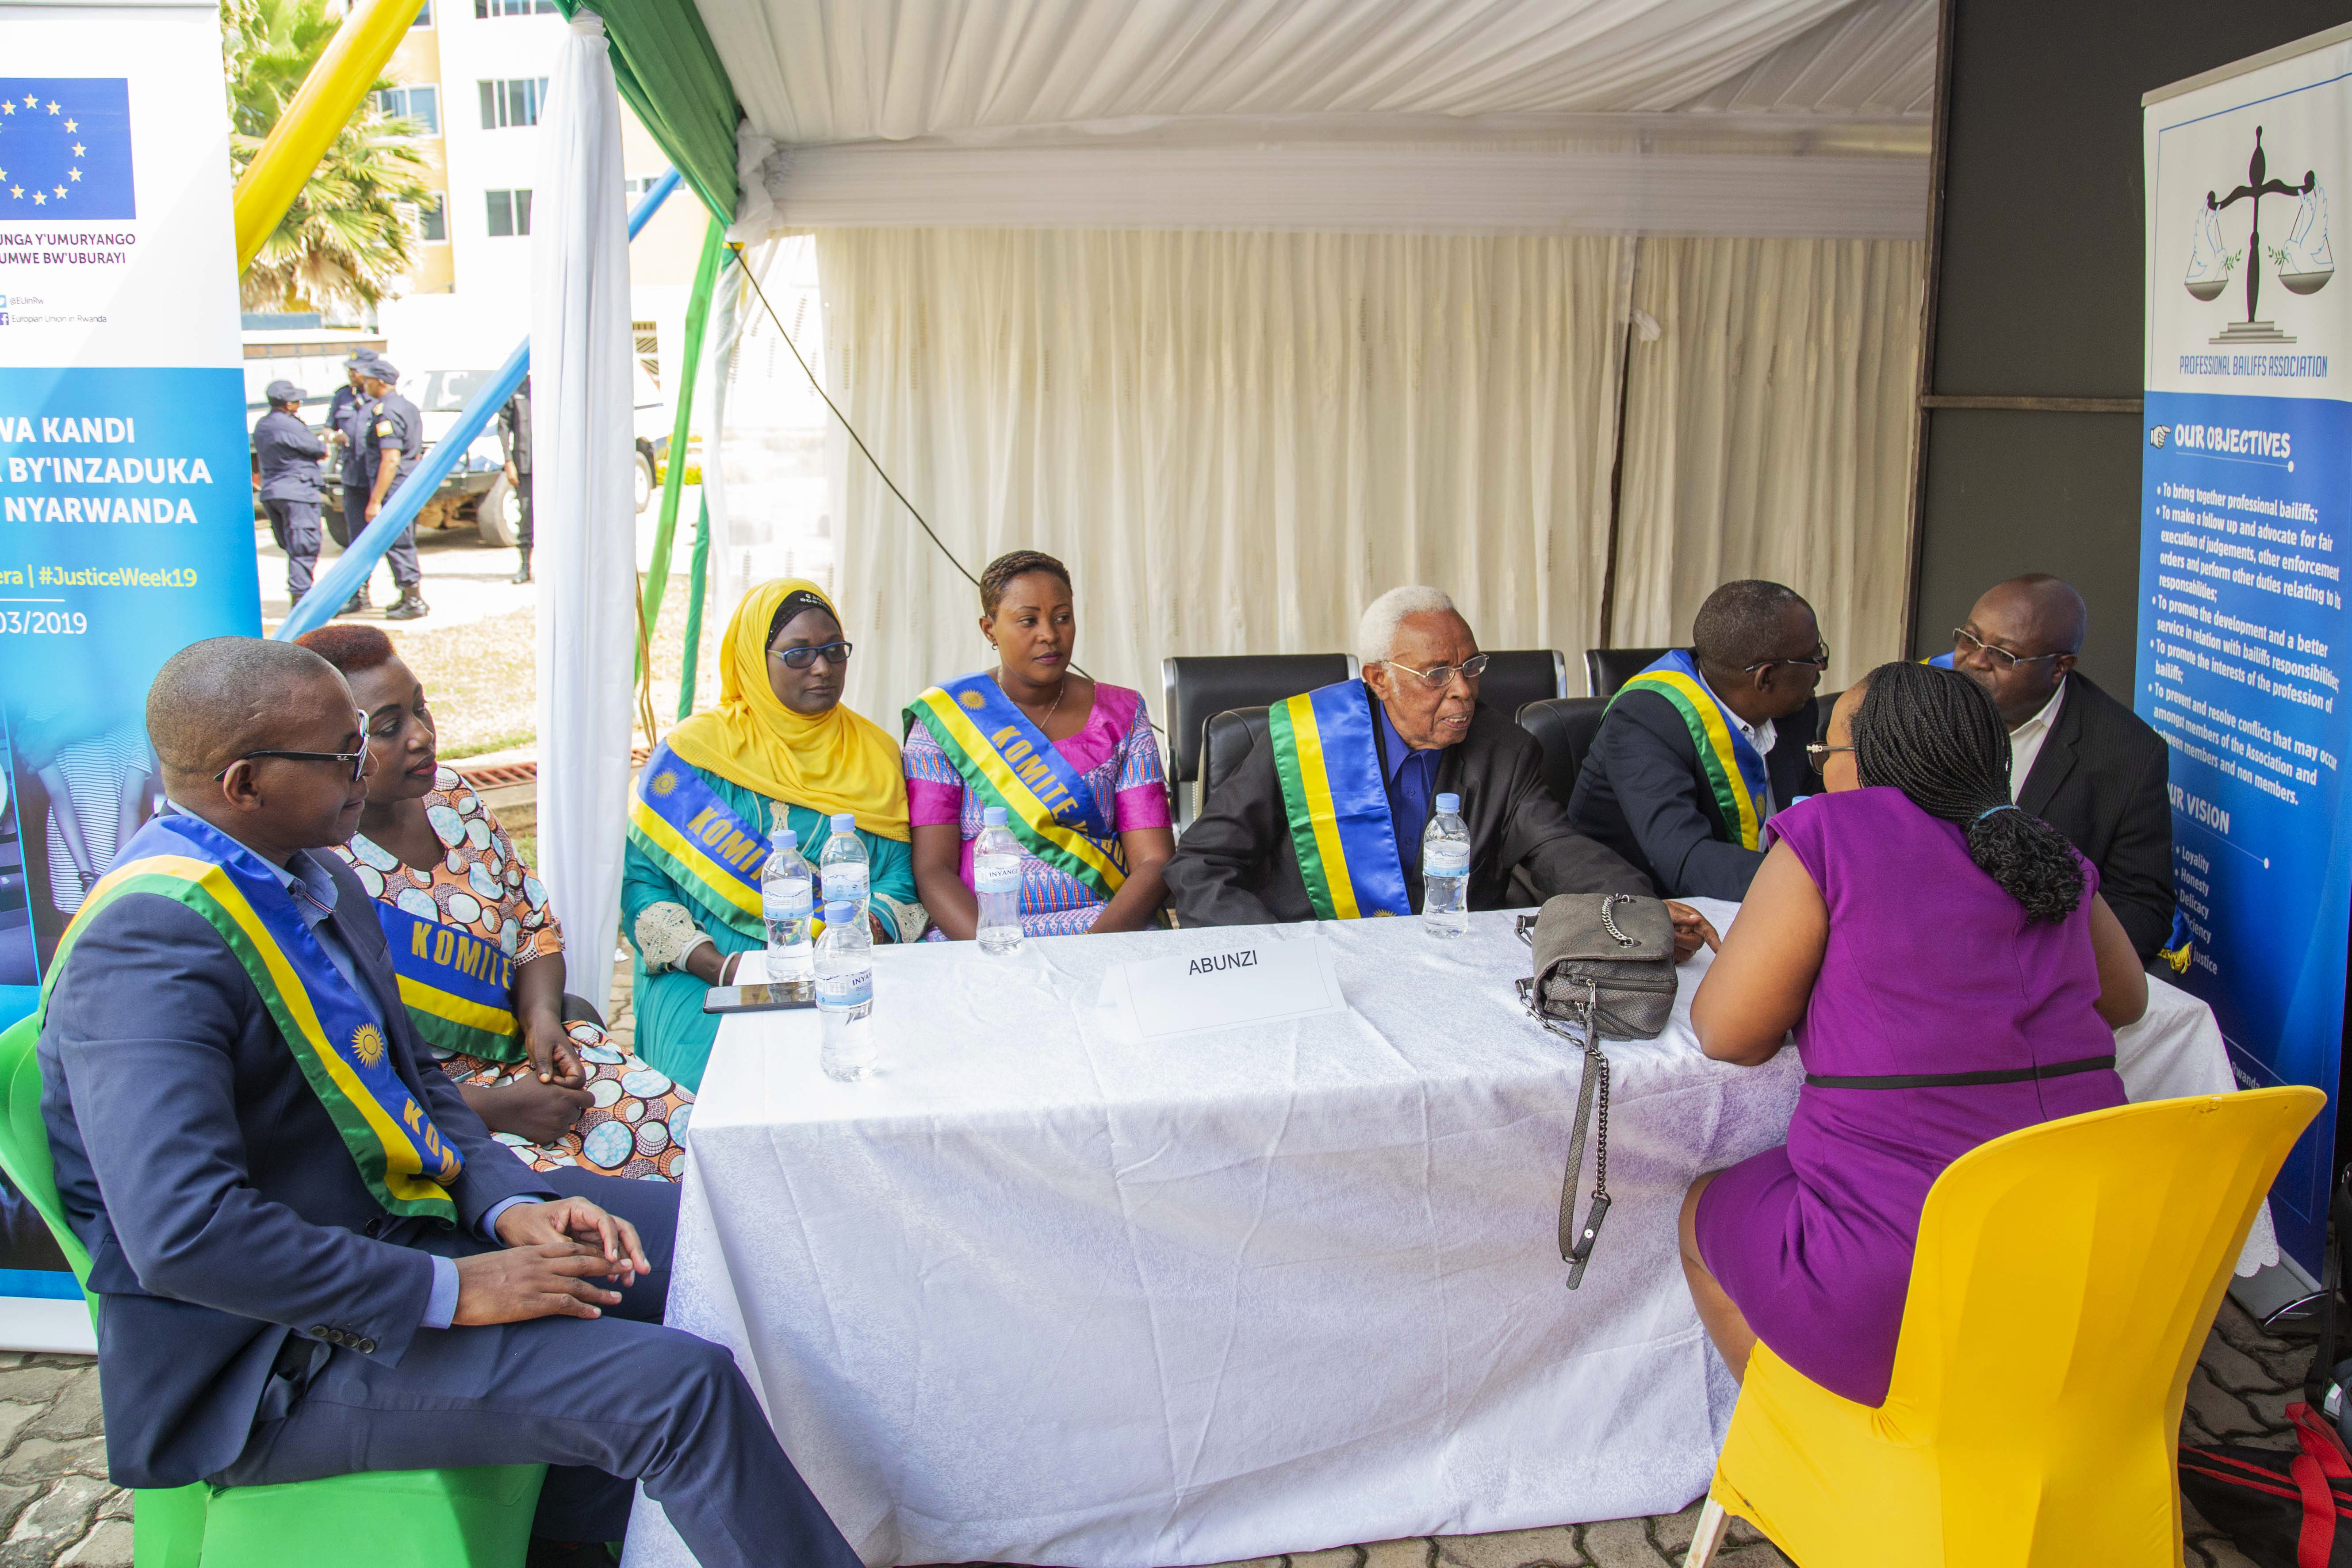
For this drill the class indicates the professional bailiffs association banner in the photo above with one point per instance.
(2246, 508)
(126, 511)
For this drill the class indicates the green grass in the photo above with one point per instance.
(482, 678)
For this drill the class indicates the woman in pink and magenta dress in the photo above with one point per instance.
(1073, 761)
(1951, 974)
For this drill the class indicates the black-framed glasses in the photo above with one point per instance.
(1821, 660)
(356, 761)
(801, 658)
(1470, 669)
(1966, 645)
(1817, 754)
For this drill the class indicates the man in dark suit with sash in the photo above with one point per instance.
(1700, 749)
(1324, 821)
(311, 1258)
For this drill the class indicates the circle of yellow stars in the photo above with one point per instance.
(32, 103)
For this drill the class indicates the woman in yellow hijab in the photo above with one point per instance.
(779, 750)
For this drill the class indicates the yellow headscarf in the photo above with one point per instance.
(835, 761)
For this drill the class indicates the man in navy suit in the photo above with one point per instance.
(268, 1315)
(1647, 791)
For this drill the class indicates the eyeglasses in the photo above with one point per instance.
(1470, 669)
(1965, 646)
(356, 761)
(1821, 660)
(1819, 756)
(801, 658)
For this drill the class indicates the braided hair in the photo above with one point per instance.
(1935, 735)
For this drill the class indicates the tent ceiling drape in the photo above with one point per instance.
(829, 71)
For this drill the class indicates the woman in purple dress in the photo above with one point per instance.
(1951, 974)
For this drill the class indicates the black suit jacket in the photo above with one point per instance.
(2100, 780)
(221, 1210)
(1236, 866)
(1643, 794)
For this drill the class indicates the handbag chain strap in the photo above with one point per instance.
(1591, 1105)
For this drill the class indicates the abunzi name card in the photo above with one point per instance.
(1256, 978)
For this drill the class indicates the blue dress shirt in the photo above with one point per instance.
(1411, 780)
(315, 892)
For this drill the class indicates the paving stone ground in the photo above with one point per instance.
(57, 1508)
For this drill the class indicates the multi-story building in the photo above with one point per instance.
(472, 74)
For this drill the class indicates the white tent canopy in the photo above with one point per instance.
(1761, 117)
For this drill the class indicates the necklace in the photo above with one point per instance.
(1060, 693)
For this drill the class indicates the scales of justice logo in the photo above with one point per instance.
(2302, 264)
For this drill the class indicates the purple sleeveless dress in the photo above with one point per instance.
(1930, 968)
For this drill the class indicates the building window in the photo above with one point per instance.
(424, 16)
(513, 102)
(486, 9)
(421, 104)
(648, 340)
(433, 220)
(509, 213)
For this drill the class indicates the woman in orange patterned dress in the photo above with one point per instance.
(479, 951)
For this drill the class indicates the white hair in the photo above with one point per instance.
(1376, 628)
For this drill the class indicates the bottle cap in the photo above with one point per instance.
(845, 822)
(838, 913)
(784, 838)
(992, 816)
(1450, 805)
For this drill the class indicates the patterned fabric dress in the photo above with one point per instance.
(636, 1128)
(1118, 754)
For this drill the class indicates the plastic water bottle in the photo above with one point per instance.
(787, 900)
(845, 994)
(1445, 870)
(996, 876)
(843, 868)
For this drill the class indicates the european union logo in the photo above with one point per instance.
(65, 149)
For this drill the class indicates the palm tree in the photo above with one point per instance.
(351, 233)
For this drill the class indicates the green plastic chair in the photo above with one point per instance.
(479, 1517)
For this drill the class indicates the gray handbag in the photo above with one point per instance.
(1605, 963)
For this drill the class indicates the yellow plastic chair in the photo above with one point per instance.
(2066, 1279)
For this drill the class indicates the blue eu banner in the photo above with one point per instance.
(65, 149)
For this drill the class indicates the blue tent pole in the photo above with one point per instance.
(332, 590)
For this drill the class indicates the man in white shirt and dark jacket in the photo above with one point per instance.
(2081, 761)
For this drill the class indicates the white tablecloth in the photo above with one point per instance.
(1036, 1297)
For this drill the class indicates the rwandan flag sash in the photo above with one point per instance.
(683, 827)
(1734, 769)
(458, 987)
(334, 1037)
(1328, 762)
(1007, 760)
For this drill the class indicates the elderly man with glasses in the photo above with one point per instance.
(1699, 750)
(2078, 759)
(1324, 818)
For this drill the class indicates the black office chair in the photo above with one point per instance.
(1607, 668)
(1564, 727)
(1195, 688)
(1225, 739)
(1516, 677)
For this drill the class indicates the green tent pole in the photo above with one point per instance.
(699, 579)
(697, 313)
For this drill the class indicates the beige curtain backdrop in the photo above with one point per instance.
(1768, 434)
(1235, 440)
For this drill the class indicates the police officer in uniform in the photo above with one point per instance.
(395, 438)
(514, 435)
(288, 455)
(348, 418)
